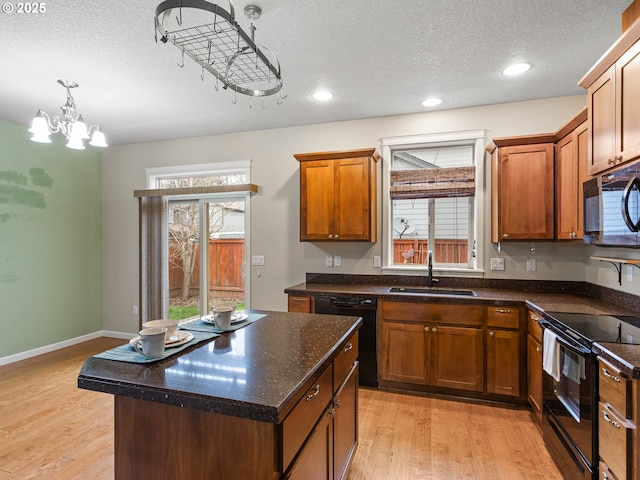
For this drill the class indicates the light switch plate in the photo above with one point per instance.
(629, 273)
(377, 262)
(328, 261)
(531, 264)
(337, 261)
(497, 264)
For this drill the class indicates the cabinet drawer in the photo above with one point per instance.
(615, 389)
(299, 303)
(605, 472)
(344, 361)
(533, 326)
(615, 439)
(436, 313)
(503, 317)
(298, 424)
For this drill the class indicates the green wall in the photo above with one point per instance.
(50, 270)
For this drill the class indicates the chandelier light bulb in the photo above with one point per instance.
(39, 129)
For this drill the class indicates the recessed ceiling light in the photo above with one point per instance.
(431, 102)
(516, 69)
(322, 95)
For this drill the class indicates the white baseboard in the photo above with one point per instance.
(66, 343)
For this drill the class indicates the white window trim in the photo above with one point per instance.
(202, 169)
(390, 144)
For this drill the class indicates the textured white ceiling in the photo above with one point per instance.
(379, 57)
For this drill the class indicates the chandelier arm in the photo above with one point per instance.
(53, 124)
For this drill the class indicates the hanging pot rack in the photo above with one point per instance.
(216, 42)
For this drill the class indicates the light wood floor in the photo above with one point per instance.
(50, 429)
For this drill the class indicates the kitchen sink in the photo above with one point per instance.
(433, 291)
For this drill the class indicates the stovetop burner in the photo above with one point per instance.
(600, 328)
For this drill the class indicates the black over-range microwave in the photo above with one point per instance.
(612, 208)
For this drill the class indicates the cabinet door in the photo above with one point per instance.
(534, 375)
(457, 358)
(316, 459)
(405, 351)
(628, 104)
(602, 117)
(353, 203)
(569, 185)
(316, 200)
(526, 192)
(345, 424)
(503, 362)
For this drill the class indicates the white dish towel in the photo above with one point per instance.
(551, 354)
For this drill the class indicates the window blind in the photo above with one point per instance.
(433, 183)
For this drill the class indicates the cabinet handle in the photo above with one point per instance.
(313, 395)
(336, 235)
(618, 158)
(337, 403)
(605, 476)
(605, 415)
(330, 236)
(426, 329)
(606, 373)
(610, 161)
(538, 349)
(348, 347)
(503, 310)
(505, 235)
(434, 329)
(492, 333)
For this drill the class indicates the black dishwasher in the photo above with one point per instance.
(357, 307)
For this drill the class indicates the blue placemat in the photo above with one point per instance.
(199, 325)
(126, 353)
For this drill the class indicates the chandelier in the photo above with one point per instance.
(70, 124)
(211, 37)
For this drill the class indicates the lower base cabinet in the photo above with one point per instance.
(316, 459)
(451, 348)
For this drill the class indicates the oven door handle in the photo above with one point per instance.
(564, 339)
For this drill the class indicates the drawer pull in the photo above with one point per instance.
(538, 349)
(434, 329)
(313, 395)
(606, 373)
(503, 310)
(337, 404)
(605, 415)
(492, 333)
(348, 346)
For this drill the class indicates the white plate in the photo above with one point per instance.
(179, 338)
(235, 318)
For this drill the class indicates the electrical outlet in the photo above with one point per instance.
(629, 273)
(531, 264)
(257, 260)
(377, 262)
(337, 261)
(328, 261)
(497, 264)
(135, 310)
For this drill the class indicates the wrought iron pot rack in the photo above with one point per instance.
(216, 42)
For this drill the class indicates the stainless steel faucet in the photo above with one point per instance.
(430, 279)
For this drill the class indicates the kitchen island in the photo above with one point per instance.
(261, 403)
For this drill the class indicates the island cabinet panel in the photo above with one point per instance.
(345, 361)
(316, 458)
(299, 423)
(338, 196)
(156, 441)
(345, 424)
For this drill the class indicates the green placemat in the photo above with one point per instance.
(126, 353)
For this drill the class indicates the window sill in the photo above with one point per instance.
(422, 270)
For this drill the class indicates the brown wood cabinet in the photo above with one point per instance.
(523, 189)
(613, 88)
(617, 431)
(300, 303)
(534, 365)
(571, 172)
(338, 196)
(503, 351)
(450, 348)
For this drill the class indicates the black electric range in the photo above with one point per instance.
(588, 328)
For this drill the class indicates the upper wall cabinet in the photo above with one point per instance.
(571, 166)
(522, 179)
(613, 86)
(338, 196)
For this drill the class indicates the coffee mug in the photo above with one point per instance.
(151, 342)
(222, 317)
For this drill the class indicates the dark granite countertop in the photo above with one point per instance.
(257, 372)
(624, 356)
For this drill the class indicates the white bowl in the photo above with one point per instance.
(170, 325)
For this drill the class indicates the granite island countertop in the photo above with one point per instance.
(258, 372)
